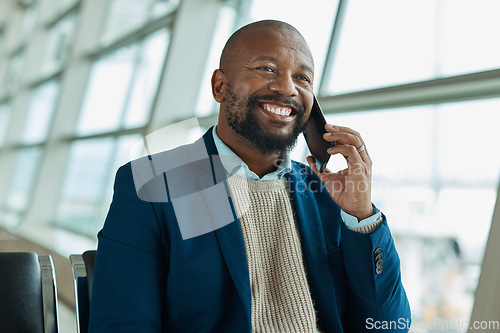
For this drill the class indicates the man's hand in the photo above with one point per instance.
(349, 188)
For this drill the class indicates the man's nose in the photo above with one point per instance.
(284, 85)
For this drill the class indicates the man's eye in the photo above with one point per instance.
(266, 68)
(304, 78)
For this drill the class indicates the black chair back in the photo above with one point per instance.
(28, 296)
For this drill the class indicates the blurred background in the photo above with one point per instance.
(82, 81)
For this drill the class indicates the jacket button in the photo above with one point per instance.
(379, 266)
(377, 251)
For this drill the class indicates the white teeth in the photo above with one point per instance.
(278, 111)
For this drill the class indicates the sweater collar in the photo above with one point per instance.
(235, 165)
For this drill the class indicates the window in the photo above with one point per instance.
(389, 49)
(206, 104)
(87, 188)
(148, 68)
(425, 40)
(64, 4)
(29, 20)
(122, 86)
(1, 36)
(60, 38)
(464, 48)
(14, 72)
(126, 16)
(314, 22)
(40, 113)
(163, 7)
(437, 193)
(87, 172)
(457, 152)
(21, 185)
(4, 121)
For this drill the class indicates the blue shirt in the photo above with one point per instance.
(235, 166)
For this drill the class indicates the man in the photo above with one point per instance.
(305, 251)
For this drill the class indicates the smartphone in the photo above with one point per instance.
(313, 133)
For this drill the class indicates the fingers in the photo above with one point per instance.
(349, 139)
(343, 138)
(343, 135)
(335, 128)
(350, 153)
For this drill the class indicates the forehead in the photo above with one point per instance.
(279, 43)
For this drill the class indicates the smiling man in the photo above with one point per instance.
(278, 247)
(265, 96)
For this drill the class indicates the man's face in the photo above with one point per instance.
(269, 89)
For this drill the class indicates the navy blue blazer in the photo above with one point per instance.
(149, 279)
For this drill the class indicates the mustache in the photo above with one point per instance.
(255, 99)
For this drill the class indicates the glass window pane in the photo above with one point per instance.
(314, 21)
(22, 182)
(29, 20)
(468, 131)
(88, 184)
(87, 172)
(123, 148)
(124, 16)
(13, 73)
(60, 38)
(163, 7)
(40, 112)
(4, 121)
(107, 92)
(64, 4)
(123, 85)
(145, 82)
(468, 40)
(223, 29)
(408, 131)
(2, 36)
(384, 43)
(392, 42)
(472, 237)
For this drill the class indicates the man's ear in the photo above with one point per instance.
(218, 86)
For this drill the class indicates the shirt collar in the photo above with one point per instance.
(235, 166)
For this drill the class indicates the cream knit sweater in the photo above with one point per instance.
(281, 300)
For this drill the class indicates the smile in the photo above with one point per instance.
(282, 111)
(278, 110)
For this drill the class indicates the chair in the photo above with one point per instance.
(28, 294)
(83, 273)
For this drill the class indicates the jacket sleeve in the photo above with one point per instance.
(378, 300)
(128, 286)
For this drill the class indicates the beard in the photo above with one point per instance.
(242, 119)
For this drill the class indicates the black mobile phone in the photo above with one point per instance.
(313, 133)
